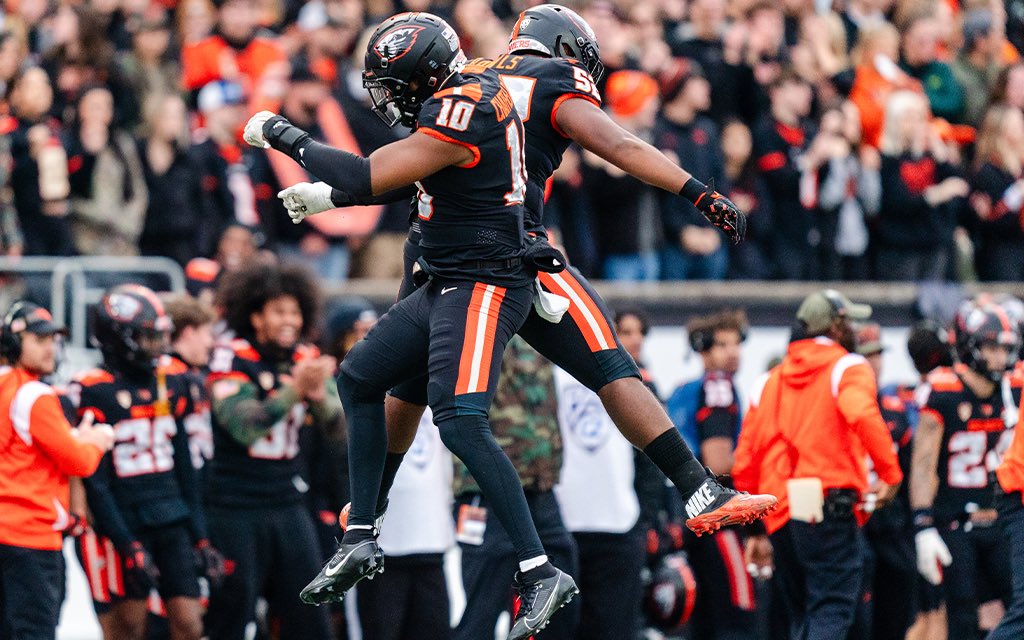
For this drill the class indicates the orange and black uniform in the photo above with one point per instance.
(146, 489)
(256, 491)
(583, 343)
(816, 416)
(37, 454)
(974, 434)
(456, 326)
(1010, 503)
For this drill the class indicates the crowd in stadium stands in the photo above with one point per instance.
(866, 139)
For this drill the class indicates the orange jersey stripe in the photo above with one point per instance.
(475, 150)
(478, 344)
(583, 310)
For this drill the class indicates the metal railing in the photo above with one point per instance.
(70, 289)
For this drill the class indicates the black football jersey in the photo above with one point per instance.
(271, 471)
(538, 87)
(474, 213)
(975, 435)
(197, 422)
(147, 480)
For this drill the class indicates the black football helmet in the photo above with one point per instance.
(131, 328)
(980, 324)
(410, 56)
(671, 594)
(558, 32)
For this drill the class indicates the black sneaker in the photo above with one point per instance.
(713, 506)
(350, 564)
(540, 600)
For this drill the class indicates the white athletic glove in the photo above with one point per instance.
(306, 199)
(253, 133)
(932, 555)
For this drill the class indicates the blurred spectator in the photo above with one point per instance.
(849, 192)
(1009, 87)
(234, 52)
(347, 324)
(108, 188)
(758, 43)
(749, 259)
(998, 195)
(700, 39)
(920, 191)
(229, 193)
(79, 56)
(149, 69)
(174, 222)
(693, 247)
(195, 20)
(11, 242)
(978, 63)
(236, 247)
(12, 55)
(781, 139)
(39, 177)
(920, 60)
(625, 210)
(313, 242)
(876, 75)
(190, 347)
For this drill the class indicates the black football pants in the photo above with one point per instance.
(979, 573)
(409, 601)
(1011, 523)
(609, 582)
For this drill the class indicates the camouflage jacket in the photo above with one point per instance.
(524, 419)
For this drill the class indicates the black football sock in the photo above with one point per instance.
(355, 536)
(470, 439)
(391, 464)
(670, 453)
(367, 446)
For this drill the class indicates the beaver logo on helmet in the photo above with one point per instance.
(122, 307)
(397, 42)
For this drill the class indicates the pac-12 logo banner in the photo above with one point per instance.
(396, 43)
(586, 418)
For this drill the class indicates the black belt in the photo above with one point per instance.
(841, 503)
(497, 264)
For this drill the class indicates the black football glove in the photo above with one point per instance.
(541, 256)
(209, 562)
(721, 212)
(140, 572)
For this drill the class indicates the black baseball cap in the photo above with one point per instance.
(30, 317)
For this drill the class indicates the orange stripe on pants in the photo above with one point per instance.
(582, 309)
(478, 343)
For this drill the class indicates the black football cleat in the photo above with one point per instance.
(713, 506)
(540, 600)
(350, 564)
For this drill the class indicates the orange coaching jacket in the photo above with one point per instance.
(813, 416)
(37, 454)
(1011, 470)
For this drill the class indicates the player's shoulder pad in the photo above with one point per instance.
(244, 350)
(944, 380)
(93, 378)
(471, 91)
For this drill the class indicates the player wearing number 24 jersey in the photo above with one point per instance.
(960, 438)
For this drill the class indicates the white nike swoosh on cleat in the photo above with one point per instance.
(329, 571)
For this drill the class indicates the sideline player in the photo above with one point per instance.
(554, 85)
(467, 156)
(39, 451)
(144, 497)
(265, 386)
(957, 444)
